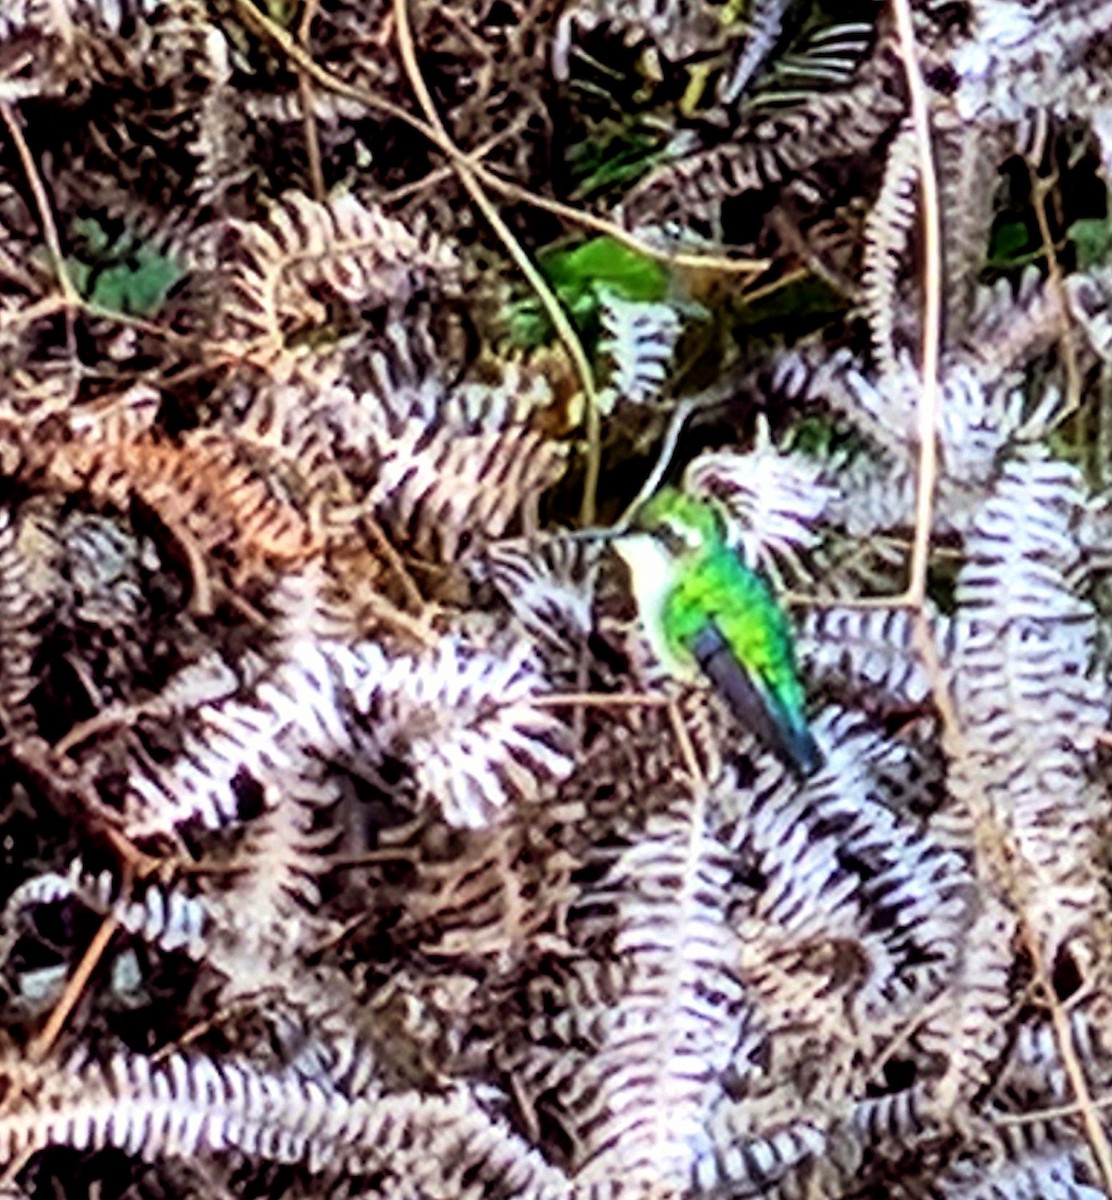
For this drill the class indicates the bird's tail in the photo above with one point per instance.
(799, 748)
(756, 706)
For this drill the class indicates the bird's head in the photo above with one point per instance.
(684, 526)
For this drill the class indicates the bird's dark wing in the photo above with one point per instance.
(753, 704)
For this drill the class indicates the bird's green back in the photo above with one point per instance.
(719, 587)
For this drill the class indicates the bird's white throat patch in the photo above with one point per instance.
(652, 576)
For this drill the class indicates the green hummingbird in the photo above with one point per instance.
(703, 608)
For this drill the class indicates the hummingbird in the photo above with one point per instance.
(703, 609)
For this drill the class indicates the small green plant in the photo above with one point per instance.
(615, 155)
(124, 275)
(1092, 241)
(578, 275)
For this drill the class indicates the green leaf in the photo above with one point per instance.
(138, 290)
(1010, 239)
(528, 322)
(800, 301)
(124, 276)
(93, 234)
(1092, 240)
(578, 275)
(604, 262)
(614, 154)
(814, 436)
(282, 12)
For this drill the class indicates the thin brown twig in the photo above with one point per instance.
(668, 444)
(803, 600)
(52, 305)
(1036, 1116)
(334, 939)
(200, 1028)
(561, 322)
(46, 217)
(136, 861)
(394, 561)
(1001, 860)
(372, 858)
(932, 306)
(915, 594)
(42, 1044)
(673, 258)
(777, 285)
(474, 178)
(1075, 1073)
(600, 700)
(438, 174)
(792, 238)
(687, 750)
(402, 622)
(308, 117)
(48, 306)
(1003, 868)
(70, 300)
(261, 23)
(1040, 189)
(42, 203)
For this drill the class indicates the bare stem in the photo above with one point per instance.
(932, 307)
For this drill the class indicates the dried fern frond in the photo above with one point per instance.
(450, 462)
(764, 22)
(28, 557)
(21, 274)
(463, 721)
(548, 587)
(1047, 1170)
(887, 234)
(284, 270)
(775, 146)
(871, 653)
(662, 903)
(52, 16)
(413, 381)
(873, 865)
(1010, 324)
(969, 1029)
(285, 845)
(185, 1106)
(1021, 57)
(1090, 297)
(678, 28)
(637, 342)
(1029, 704)
(969, 159)
(822, 59)
(444, 493)
(504, 893)
(212, 503)
(421, 875)
(254, 739)
(777, 499)
(981, 413)
(164, 917)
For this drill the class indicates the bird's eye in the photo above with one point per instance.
(673, 543)
(679, 539)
